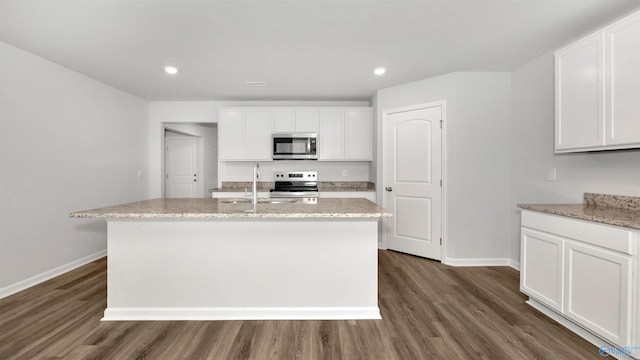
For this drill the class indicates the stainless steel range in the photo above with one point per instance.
(296, 184)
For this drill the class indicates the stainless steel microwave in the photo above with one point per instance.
(295, 146)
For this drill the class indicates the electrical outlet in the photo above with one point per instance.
(344, 172)
(140, 173)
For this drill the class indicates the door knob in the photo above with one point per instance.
(388, 188)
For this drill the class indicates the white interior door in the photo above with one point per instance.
(412, 180)
(181, 167)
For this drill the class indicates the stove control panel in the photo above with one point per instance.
(296, 176)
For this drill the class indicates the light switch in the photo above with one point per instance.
(552, 174)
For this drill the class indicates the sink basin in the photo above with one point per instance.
(260, 201)
(235, 201)
(278, 201)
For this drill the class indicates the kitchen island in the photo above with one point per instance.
(219, 259)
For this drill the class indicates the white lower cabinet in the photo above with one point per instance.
(543, 279)
(584, 272)
(598, 291)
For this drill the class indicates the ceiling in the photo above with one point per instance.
(302, 49)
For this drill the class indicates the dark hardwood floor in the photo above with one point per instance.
(429, 311)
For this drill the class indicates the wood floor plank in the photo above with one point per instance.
(429, 310)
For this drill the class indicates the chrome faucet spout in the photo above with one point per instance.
(256, 174)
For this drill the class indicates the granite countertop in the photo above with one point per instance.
(222, 209)
(339, 186)
(602, 208)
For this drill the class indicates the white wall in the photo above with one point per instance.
(67, 143)
(610, 172)
(207, 112)
(207, 151)
(477, 159)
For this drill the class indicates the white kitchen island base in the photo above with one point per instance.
(240, 269)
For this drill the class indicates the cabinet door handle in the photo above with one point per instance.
(388, 188)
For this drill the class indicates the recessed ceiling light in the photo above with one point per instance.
(255, 83)
(379, 71)
(171, 70)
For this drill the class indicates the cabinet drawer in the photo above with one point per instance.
(606, 236)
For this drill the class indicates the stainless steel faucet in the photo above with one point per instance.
(256, 174)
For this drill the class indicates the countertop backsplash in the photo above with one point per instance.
(241, 186)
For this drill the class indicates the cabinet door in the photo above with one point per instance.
(258, 134)
(231, 134)
(598, 291)
(306, 120)
(541, 274)
(331, 134)
(284, 120)
(622, 59)
(579, 94)
(357, 145)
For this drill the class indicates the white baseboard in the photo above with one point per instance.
(514, 264)
(49, 274)
(242, 313)
(595, 340)
(481, 262)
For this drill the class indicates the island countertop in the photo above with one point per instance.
(348, 208)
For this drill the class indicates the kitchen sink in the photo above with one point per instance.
(235, 201)
(279, 201)
(260, 201)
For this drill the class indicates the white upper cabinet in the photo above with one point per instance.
(284, 120)
(231, 134)
(622, 53)
(306, 120)
(290, 120)
(344, 134)
(357, 133)
(579, 96)
(331, 134)
(597, 90)
(257, 134)
(244, 134)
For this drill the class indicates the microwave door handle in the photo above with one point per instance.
(309, 146)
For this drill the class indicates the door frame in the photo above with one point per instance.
(443, 152)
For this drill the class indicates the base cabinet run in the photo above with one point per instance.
(586, 273)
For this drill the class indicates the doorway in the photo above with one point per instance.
(413, 179)
(183, 162)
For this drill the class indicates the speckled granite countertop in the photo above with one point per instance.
(223, 209)
(607, 209)
(240, 186)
